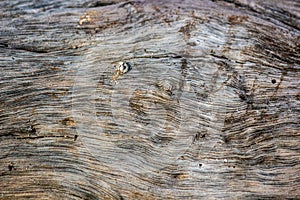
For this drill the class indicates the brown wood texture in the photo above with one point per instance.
(210, 109)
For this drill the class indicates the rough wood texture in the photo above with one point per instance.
(209, 110)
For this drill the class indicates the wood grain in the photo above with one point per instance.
(210, 109)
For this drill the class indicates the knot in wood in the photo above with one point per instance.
(123, 67)
(120, 69)
(165, 86)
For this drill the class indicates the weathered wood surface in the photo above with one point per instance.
(210, 109)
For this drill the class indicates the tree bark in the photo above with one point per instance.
(209, 110)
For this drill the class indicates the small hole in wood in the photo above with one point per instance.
(75, 137)
(175, 175)
(273, 81)
(11, 167)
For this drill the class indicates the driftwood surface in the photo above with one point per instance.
(209, 110)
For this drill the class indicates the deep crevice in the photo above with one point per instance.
(101, 4)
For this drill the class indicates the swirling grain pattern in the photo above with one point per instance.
(209, 110)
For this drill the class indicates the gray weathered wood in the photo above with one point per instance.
(209, 110)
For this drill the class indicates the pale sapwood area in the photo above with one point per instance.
(209, 109)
